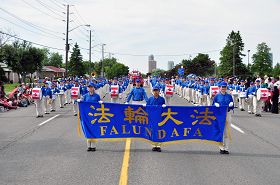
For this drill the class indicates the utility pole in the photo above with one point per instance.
(102, 67)
(233, 60)
(248, 57)
(89, 46)
(67, 44)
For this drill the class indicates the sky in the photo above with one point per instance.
(171, 30)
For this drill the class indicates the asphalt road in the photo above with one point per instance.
(49, 151)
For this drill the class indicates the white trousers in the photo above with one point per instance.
(61, 99)
(46, 103)
(53, 104)
(68, 96)
(38, 107)
(250, 103)
(91, 144)
(75, 106)
(257, 105)
(241, 103)
(225, 145)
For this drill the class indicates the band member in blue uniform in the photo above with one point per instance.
(156, 99)
(138, 94)
(91, 96)
(224, 99)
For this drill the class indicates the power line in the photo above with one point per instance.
(32, 42)
(57, 4)
(40, 10)
(49, 8)
(29, 29)
(45, 30)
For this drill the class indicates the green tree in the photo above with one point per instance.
(89, 67)
(158, 72)
(276, 70)
(262, 62)
(55, 59)
(116, 70)
(232, 53)
(201, 65)
(76, 67)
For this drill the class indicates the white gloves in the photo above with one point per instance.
(100, 102)
(144, 105)
(163, 106)
(230, 104)
(78, 100)
(217, 105)
(126, 103)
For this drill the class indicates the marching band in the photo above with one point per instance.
(195, 90)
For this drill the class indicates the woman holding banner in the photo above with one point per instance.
(91, 96)
(224, 99)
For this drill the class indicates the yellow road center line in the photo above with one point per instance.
(124, 170)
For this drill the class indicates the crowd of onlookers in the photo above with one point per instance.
(19, 97)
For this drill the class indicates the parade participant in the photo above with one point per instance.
(138, 94)
(61, 95)
(93, 97)
(156, 99)
(257, 103)
(84, 89)
(68, 86)
(275, 100)
(201, 95)
(168, 92)
(38, 101)
(206, 95)
(74, 99)
(115, 90)
(249, 98)
(242, 95)
(54, 92)
(224, 99)
(234, 92)
(47, 96)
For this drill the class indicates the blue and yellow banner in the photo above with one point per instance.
(152, 123)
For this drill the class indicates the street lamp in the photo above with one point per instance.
(67, 40)
(102, 67)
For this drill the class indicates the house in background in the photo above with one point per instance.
(47, 71)
(51, 72)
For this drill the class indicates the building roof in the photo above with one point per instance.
(53, 69)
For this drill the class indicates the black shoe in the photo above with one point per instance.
(41, 116)
(47, 113)
(75, 114)
(242, 109)
(89, 149)
(52, 110)
(61, 107)
(38, 116)
(93, 149)
(224, 152)
(154, 149)
(158, 149)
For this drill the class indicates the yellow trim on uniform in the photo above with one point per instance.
(228, 129)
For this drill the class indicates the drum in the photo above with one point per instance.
(262, 94)
(114, 91)
(36, 94)
(169, 90)
(75, 92)
(242, 94)
(213, 91)
(61, 92)
(234, 93)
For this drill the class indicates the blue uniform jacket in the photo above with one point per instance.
(137, 94)
(223, 100)
(156, 101)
